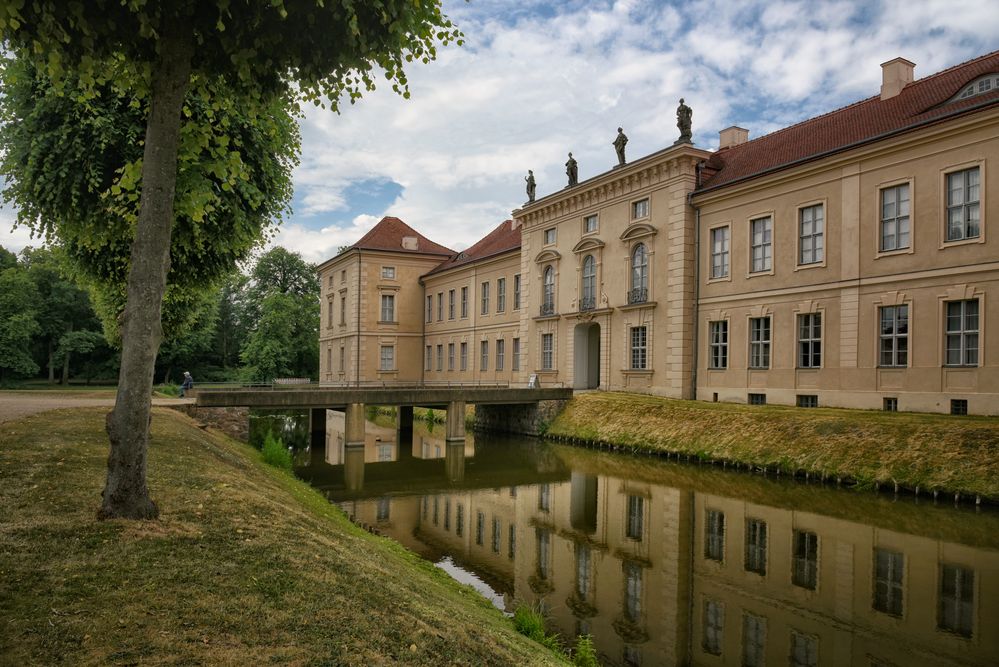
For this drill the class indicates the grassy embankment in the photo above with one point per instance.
(246, 565)
(866, 448)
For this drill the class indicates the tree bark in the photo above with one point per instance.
(126, 494)
(65, 366)
(51, 362)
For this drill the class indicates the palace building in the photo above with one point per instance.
(845, 261)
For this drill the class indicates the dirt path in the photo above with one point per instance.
(18, 404)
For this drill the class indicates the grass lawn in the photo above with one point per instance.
(951, 454)
(245, 566)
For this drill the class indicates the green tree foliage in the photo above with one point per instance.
(283, 316)
(18, 324)
(8, 260)
(160, 52)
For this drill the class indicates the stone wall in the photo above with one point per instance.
(525, 418)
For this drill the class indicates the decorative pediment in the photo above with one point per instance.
(810, 306)
(962, 292)
(587, 245)
(895, 298)
(548, 255)
(759, 311)
(637, 231)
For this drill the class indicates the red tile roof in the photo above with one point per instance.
(919, 103)
(503, 239)
(388, 235)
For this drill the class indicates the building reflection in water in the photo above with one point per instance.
(668, 565)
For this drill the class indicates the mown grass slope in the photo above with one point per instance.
(245, 566)
(953, 454)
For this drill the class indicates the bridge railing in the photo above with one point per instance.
(301, 383)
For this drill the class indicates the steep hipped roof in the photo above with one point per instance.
(919, 103)
(390, 233)
(504, 238)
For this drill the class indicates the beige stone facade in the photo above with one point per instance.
(847, 261)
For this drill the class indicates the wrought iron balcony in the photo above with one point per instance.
(547, 309)
(638, 295)
(587, 303)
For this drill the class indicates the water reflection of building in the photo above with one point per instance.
(662, 573)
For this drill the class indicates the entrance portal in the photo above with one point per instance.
(586, 339)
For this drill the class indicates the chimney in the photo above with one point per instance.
(894, 75)
(410, 243)
(732, 136)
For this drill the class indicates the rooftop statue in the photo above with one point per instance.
(683, 115)
(619, 143)
(572, 171)
(531, 186)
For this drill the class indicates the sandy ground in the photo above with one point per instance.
(17, 404)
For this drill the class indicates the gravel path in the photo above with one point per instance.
(18, 404)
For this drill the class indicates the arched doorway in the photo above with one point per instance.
(586, 361)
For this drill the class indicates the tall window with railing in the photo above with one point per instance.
(589, 298)
(639, 289)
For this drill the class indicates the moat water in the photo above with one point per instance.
(668, 563)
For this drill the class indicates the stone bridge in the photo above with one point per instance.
(515, 410)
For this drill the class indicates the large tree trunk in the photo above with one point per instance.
(51, 362)
(65, 366)
(126, 494)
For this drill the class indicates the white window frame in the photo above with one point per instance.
(812, 341)
(760, 347)
(464, 302)
(641, 208)
(515, 361)
(388, 272)
(516, 291)
(547, 351)
(765, 245)
(389, 310)
(719, 252)
(718, 336)
(551, 236)
(386, 362)
(893, 337)
(484, 297)
(450, 304)
(587, 227)
(450, 356)
(964, 334)
(463, 356)
(901, 217)
(639, 345)
(500, 353)
(500, 295)
(966, 205)
(817, 260)
(484, 355)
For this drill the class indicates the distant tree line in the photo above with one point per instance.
(253, 326)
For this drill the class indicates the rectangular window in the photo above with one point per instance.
(959, 406)
(450, 356)
(515, 362)
(550, 236)
(440, 358)
(640, 209)
(894, 336)
(329, 314)
(545, 497)
(719, 252)
(343, 358)
(632, 591)
(761, 244)
(636, 517)
(718, 352)
(757, 399)
(962, 333)
(547, 351)
(957, 599)
(500, 295)
(804, 650)
(590, 223)
(440, 306)
(639, 349)
(480, 527)
(888, 566)
(807, 401)
(484, 355)
(890, 404)
(428, 361)
(516, 292)
(759, 342)
(714, 535)
(754, 638)
(805, 569)
(895, 218)
(464, 302)
(450, 304)
(343, 276)
(388, 308)
(963, 215)
(810, 340)
(430, 308)
(388, 272)
(714, 623)
(756, 546)
(810, 235)
(463, 357)
(459, 520)
(485, 298)
(343, 310)
(387, 358)
(500, 354)
(496, 535)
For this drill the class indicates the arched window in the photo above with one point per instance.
(548, 296)
(589, 300)
(639, 275)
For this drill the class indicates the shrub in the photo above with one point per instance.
(585, 655)
(275, 453)
(530, 623)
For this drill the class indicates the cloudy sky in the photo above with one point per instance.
(538, 78)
